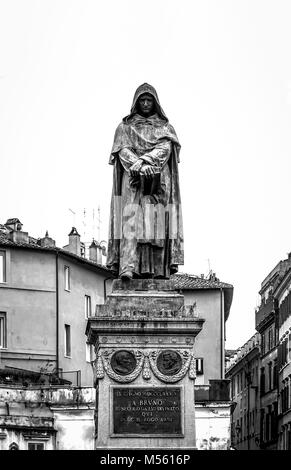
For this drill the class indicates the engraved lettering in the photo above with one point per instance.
(147, 410)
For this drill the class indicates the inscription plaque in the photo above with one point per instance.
(147, 410)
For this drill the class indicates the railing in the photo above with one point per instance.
(23, 377)
(72, 377)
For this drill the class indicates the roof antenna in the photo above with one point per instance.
(98, 222)
(74, 217)
(209, 269)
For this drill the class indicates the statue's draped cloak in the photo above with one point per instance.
(154, 140)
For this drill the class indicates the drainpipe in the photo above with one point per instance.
(222, 333)
(248, 415)
(57, 313)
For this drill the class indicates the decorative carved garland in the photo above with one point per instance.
(145, 363)
(106, 358)
(146, 373)
(192, 368)
(99, 374)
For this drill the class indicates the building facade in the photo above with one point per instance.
(267, 324)
(283, 296)
(272, 406)
(243, 371)
(212, 300)
(46, 295)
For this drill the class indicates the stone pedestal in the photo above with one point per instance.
(145, 367)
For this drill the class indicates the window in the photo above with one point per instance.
(83, 250)
(262, 381)
(262, 425)
(270, 369)
(89, 352)
(238, 382)
(256, 378)
(68, 340)
(2, 266)
(232, 387)
(275, 375)
(238, 431)
(263, 343)
(274, 421)
(35, 446)
(67, 278)
(87, 306)
(3, 330)
(271, 338)
(199, 365)
(269, 423)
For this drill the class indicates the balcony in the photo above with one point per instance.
(217, 390)
(264, 310)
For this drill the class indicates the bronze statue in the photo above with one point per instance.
(145, 232)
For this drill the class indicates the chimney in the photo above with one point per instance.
(83, 249)
(47, 242)
(14, 224)
(95, 252)
(74, 242)
(19, 237)
(16, 233)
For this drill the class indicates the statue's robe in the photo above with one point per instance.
(146, 243)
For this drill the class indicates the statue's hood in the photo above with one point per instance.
(146, 88)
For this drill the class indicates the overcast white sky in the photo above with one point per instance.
(222, 69)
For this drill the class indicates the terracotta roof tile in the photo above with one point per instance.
(33, 244)
(190, 281)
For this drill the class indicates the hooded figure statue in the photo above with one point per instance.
(145, 232)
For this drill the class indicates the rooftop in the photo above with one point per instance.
(186, 281)
(190, 281)
(183, 281)
(32, 243)
(243, 351)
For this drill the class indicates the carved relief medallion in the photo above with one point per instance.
(169, 362)
(123, 362)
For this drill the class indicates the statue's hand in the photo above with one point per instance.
(147, 170)
(135, 168)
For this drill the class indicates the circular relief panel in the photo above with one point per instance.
(123, 362)
(169, 362)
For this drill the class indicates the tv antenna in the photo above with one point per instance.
(74, 217)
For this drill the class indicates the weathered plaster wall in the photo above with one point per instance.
(208, 343)
(212, 426)
(60, 418)
(72, 312)
(75, 428)
(28, 298)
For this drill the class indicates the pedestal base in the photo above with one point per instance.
(145, 367)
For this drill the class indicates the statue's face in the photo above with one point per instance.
(146, 104)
